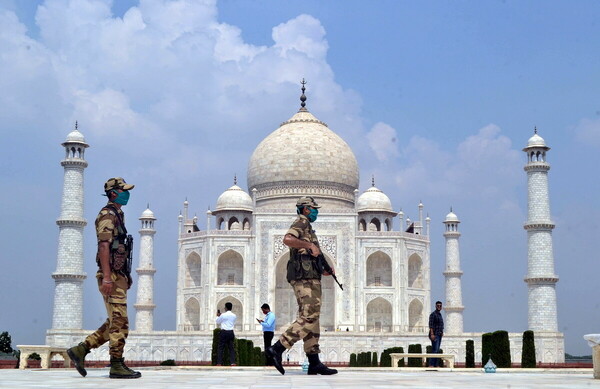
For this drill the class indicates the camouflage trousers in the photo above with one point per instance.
(116, 327)
(306, 326)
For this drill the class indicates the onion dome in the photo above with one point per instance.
(451, 217)
(374, 200)
(75, 137)
(234, 198)
(536, 141)
(303, 156)
(148, 214)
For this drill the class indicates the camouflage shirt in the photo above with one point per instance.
(107, 225)
(302, 229)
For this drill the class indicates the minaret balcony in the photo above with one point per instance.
(550, 280)
(541, 225)
(141, 271)
(74, 163)
(453, 273)
(144, 306)
(537, 167)
(69, 277)
(454, 309)
(71, 222)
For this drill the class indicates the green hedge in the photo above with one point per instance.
(502, 348)
(374, 362)
(470, 357)
(417, 349)
(386, 360)
(353, 362)
(528, 352)
(486, 348)
(245, 352)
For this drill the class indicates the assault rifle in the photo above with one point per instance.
(128, 262)
(323, 264)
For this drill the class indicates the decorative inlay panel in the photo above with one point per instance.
(237, 249)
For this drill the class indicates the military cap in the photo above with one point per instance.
(117, 183)
(307, 201)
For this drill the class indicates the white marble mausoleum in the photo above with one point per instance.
(381, 257)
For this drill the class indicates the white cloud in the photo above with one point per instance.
(467, 170)
(383, 141)
(587, 131)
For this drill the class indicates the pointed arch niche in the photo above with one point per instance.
(238, 309)
(415, 271)
(379, 269)
(193, 271)
(415, 316)
(379, 315)
(230, 268)
(192, 315)
(286, 306)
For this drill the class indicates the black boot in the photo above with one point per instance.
(77, 355)
(316, 367)
(275, 352)
(118, 369)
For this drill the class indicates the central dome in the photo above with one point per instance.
(303, 157)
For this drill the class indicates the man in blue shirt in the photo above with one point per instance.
(268, 327)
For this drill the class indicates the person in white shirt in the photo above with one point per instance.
(227, 322)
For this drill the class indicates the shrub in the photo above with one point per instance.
(374, 360)
(415, 362)
(168, 362)
(368, 359)
(501, 345)
(34, 356)
(215, 345)
(5, 341)
(528, 353)
(470, 356)
(486, 348)
(352, 360)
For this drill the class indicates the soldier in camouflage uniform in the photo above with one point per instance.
(304, 274)
(114, 279)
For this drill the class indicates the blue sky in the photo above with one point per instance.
(437, 99)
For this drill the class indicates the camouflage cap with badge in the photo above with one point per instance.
(307, 201)
(117, 183)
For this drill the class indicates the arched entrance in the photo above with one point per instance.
(286, 306)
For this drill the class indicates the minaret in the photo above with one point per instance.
(69, 274)
(540, 279)
(144, 317)
(454, 307)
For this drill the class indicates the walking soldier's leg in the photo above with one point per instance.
(306, 326)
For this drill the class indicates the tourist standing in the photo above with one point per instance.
(436, 331)
(227, 337)
(304, 274)
(114, 279)
(268, 327)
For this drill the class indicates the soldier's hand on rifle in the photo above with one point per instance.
(326, 273)
(314, 250)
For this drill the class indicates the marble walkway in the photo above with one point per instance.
(259, 377)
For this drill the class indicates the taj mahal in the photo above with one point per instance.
(381, 257)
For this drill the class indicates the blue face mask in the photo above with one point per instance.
(312, 216)
(122, 198)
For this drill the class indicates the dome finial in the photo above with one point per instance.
(76, 126)
(235, 179)
(373, 180)
(303, 97)
(451, 208)
(535, 129)
(148, 206)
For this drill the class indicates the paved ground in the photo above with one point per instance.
(266, 378)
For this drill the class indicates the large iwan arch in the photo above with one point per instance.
(286, 306)
(192, 315)
(415, 316)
